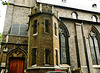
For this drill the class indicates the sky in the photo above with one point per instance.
(2, 15)
(79, 2)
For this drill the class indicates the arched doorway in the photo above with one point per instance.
(16, 60)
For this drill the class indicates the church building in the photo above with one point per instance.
(50, 35)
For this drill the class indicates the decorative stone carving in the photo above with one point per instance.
(17, 53)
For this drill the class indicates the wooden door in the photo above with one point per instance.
(16, 65)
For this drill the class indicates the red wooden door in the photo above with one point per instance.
(16, 65)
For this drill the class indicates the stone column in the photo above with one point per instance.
(81, 48)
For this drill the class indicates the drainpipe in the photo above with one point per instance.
(85, 48)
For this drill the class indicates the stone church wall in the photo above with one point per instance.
(82, 15)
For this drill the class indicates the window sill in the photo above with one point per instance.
(34, 65)
(56, 36)
(47, 65)
(46, 32)
(5, 50)
(18, 35)
(35, 34)
(96, 66)
(64, 65)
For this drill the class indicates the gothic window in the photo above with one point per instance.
(74, 15)
(35, 27)
(55, 27)
(18, 29)
(94, 47)
(64, 47)
(47, 56)
(94, 18)
(46, 25)
(34, 55)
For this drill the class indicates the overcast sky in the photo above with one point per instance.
(2, 16)
(80, 2)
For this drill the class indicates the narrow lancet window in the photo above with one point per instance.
(55, 27)
(47, 26)
(35, 27)
(47, 56)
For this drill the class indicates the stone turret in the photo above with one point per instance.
(43, 42)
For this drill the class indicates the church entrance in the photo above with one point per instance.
(16, 65)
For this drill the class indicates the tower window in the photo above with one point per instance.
(55, 27)
(56, 54)
(47, 56)
(34, 55)
(35, 27)
(46, 25)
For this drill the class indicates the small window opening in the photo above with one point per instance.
(56, 54)
(55, 27)
(35, 27)
(34, 55)
(47, 56)
(46, 25)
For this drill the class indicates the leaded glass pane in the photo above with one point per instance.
(23, 29)
(63, 49)
(15, 29)
(97, 50)
(92, 51)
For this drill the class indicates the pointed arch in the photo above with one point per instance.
(63, 26)
(17, 53)
(95, 29)
(17, 49)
